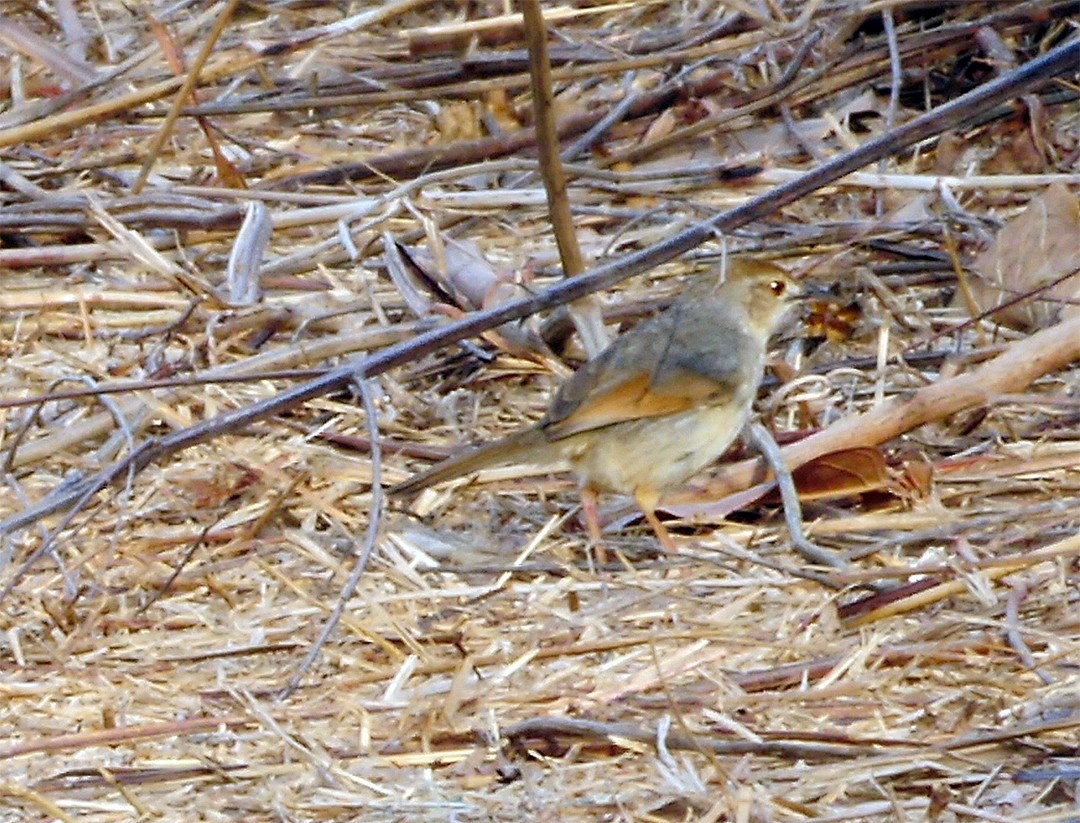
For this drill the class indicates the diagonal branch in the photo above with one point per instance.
(1061, 59)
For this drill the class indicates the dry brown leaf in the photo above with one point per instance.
(841, 474)
(1039, 246)
(412, 281)
(845, 473)
(693, 111)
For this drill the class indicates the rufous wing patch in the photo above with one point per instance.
(638, 398)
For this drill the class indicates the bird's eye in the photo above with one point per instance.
(777, 287)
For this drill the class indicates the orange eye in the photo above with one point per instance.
(777, 287)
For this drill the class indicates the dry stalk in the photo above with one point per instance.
(585, 312)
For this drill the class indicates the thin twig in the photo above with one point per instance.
(374, 521)
(895, 78)
(547, 727)
(763, 441)
(1017, 594)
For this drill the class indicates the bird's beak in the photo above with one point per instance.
(805, 289)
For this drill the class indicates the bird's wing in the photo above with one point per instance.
(635, 399)
(639, 378)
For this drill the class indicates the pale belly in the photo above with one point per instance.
(655, 454)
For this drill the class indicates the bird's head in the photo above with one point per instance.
(763, 289)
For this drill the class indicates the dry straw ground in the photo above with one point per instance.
(487, 667)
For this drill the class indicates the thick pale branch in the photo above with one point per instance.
(1019, 366)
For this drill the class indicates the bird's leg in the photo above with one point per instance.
(588, 509)
(592, 522)
(763, 441)
(646, 500)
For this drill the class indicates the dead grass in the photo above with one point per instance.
(486, 669)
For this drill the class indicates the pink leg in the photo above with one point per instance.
(647, 500)
(592, 522)
(592, 517)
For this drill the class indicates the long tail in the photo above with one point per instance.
(511, 449)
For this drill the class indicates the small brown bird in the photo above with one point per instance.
(659, 404)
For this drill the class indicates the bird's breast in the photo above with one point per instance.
(655, 453)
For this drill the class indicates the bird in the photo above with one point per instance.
(659, 404)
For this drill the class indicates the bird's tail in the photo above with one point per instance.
(519, 447)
